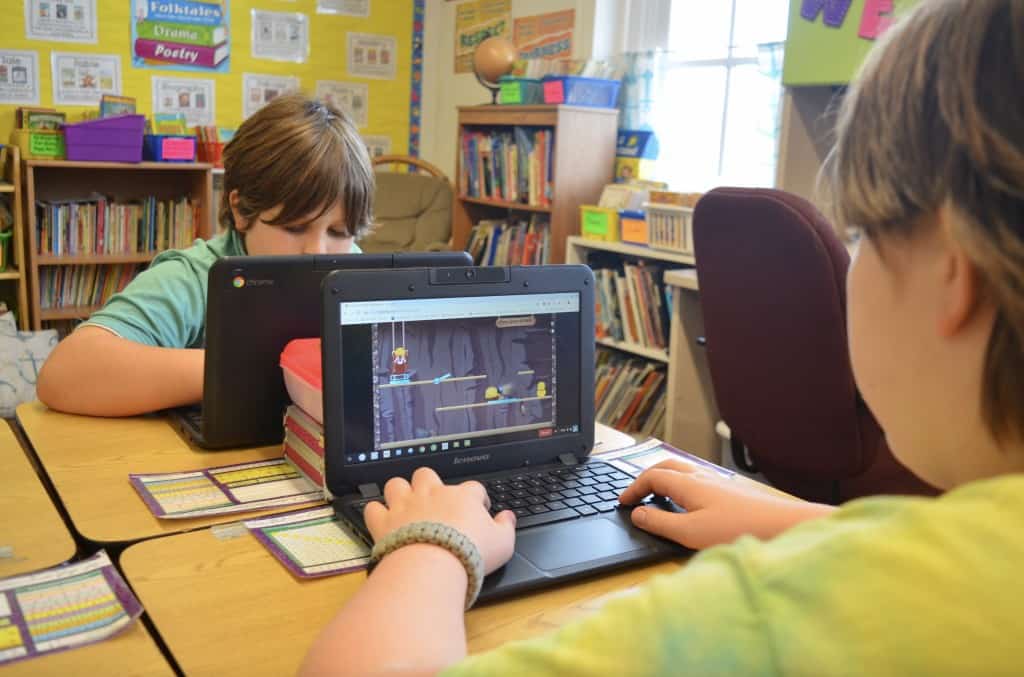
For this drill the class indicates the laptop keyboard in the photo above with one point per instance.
(194, 416)
(553, 495)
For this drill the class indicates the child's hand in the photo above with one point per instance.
(463, 507)
(719, 509)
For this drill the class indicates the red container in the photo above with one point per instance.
(212, 153)
(113, 139)
(303, 377)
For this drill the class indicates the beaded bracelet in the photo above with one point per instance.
(436, 533)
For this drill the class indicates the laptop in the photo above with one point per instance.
(485, 374)
(255, 306)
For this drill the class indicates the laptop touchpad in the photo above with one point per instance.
(561, 545)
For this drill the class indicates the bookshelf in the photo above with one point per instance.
(58, 181)
(582, 160)
(689, 409)
(13, 282)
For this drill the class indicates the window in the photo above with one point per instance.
(716, 111)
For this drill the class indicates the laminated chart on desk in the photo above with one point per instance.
(226, 489)
(639, 457)
(63, 608)
(311, 543)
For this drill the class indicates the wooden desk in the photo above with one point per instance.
(132, 652)
(227, 607)
(32, 528)
(88, 459)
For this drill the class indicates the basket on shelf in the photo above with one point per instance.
(670, 227)
(113, 139)
(520, 91)
(39, 144)
(169, 148)
(633, 227)
(599, 223)
(576, 91)
(212, 152)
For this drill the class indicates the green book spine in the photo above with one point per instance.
(188, 34)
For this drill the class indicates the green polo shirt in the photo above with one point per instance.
(165, 305)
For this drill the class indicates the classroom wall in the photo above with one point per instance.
(388, 100)
(444, 90)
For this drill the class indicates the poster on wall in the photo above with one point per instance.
(192, 98)
(377, 145)
(81, 79)
(280, 36)
(344, 7)
(371, 56)
(476, 21)
(181, 35)
(545, 36)
(351, 97)
(19, 76)
(258, 90)
(61, 20)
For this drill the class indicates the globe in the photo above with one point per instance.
(493, 58)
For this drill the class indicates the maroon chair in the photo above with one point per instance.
(772, 278)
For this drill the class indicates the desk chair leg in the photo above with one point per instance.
(741, 455)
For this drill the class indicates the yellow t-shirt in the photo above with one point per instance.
(885, 586)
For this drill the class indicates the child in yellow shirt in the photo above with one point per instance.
(297, 180)
(929, 163)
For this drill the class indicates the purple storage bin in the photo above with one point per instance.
(113, 139)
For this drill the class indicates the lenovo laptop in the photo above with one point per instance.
(255, 306)
(486, 374)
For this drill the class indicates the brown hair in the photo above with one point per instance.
(303, 155)
(935, 119)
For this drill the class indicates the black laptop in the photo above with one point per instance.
(255, 305)
(486, 374)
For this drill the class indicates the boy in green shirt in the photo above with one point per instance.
(929, 163)
(297, 180)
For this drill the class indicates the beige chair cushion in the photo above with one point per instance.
(413, 213)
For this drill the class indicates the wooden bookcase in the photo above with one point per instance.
(582, 161)
(57, 180)
(14, 272)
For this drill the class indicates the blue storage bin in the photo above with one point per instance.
(169, 148)
(577, 91)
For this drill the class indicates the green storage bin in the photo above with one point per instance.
(520, 91)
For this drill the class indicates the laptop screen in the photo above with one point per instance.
(455, 374)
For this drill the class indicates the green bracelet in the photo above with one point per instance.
(436, 533)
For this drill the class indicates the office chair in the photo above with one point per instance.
(772, 275)
(413, 209)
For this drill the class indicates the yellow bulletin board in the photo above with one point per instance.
(392, 104)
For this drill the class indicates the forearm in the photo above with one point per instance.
(406, 620)
(785, 513)
(95, 373)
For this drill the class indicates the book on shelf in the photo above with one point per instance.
(101, 226)
(511, 242)
(508, 164)
(630, 393)
(632, 302)
(67, 286)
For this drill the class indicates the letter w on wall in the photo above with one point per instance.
(835, 11)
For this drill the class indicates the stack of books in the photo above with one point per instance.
(182, 32)
(508, 166)
(304, 444)
(630, 393)
(632, 302)
(68, 286)
(101, 226)
(510, 242)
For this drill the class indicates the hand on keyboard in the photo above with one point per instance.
(463, 506)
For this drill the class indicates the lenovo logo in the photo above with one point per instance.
(471, 459)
